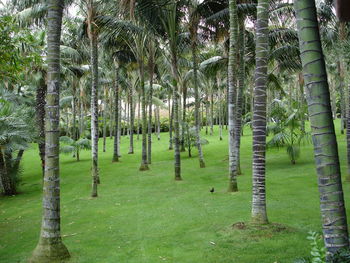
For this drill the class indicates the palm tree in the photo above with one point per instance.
(50, 247)
(335, 230)
(232, 94)
(74, 146)
(93, 37)
(193, 28)
(259, 214)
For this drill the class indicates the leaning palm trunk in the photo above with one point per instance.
(116, 115)
(259, 214)
(333, 213)
(50, 247)
(193, 31)
(40, 120)
(144, 164)
(232, 95)
(92, 32)
(241, 76)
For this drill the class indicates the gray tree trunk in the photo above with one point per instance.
(50, 247)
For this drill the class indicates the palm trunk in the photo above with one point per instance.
(104, 119)
(171, 115)
(92, 31)
(144, 164)
(138, 117)
(211, 112)
(184, 98)
(198, 122)
(335, 230)
(50, 247)
(158, 121)
(150, 104)
(232, 95)
(259, 214)
(177, 163)
(132, 120)
(348, 137)
(241, 76)
(40, 120)
(116, 115)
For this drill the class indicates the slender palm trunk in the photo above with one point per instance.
(184, 98)
(138, 117)
(92, 32)
(259, 214)
(132, 120)
(177, 163)
(50, 247)
(158, 122)
(232, 95)
(194, 32)
(116, 115)
(211, 112)
(104, 119)
(335, 230)
(348, 136)
(144, 163)
(171, 115)
(150, 101)
(40, 120)
(241, 76)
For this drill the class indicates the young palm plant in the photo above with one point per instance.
(71, 146)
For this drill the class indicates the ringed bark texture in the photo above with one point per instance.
(232, 95)
(259, 214)
(50, 247)
(333, 213)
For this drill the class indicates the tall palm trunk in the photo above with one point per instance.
(259, 214)
(211, 112)
(138, 116)
(335, 230)
(177, 163)
(144, 163)
(40, 120)
(232, 94)
(158, 122)
(92, 32)
(105, 119)
(150, 100)
(241, 76)
(132, 120)
(184, 98)
(194, 32)
(50, 247)
(348, 137)
(171, 115)
(116, 115)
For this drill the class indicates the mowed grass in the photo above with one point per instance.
(148, 217)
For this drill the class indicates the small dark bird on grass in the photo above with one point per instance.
(212, 190)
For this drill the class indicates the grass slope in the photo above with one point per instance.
(148, 217)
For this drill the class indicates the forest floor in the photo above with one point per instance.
(147, 217)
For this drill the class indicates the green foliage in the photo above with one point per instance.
(342, 256)
(16, 52)
(70, 146)
(286, 128)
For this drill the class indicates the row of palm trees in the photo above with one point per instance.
(158, 32)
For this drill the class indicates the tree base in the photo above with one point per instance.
(131, 152)
(50, 253)
(178, 178)
(201, 164)
(259, 219)
(232, 187)
(144, 167)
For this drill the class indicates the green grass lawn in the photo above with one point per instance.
(148, 217)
